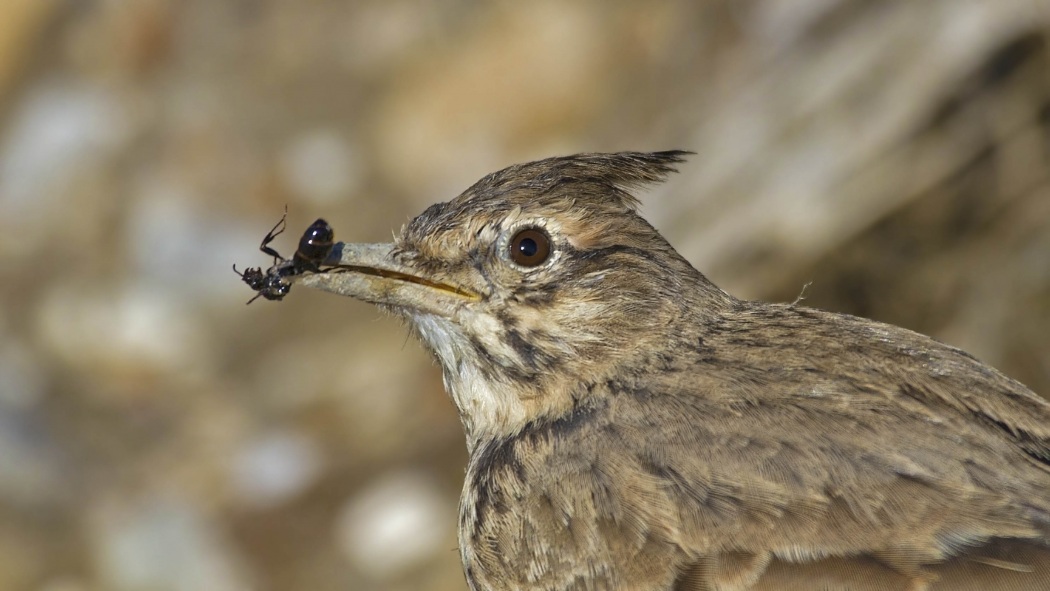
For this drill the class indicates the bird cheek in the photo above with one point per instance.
(504, 281)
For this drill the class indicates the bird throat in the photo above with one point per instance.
(489, 405)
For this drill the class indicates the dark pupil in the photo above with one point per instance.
(528, 247)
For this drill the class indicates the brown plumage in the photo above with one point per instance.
(633, 427)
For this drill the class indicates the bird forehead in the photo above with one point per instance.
(451, 240)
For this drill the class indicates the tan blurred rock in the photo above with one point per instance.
(23, 21)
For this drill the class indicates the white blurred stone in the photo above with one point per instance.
(275, 468)
(396, 523)
(181, 246)
(163, 545)
(128, 330)
(55, 131)
(320, 166)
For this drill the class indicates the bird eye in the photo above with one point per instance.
(530, 247)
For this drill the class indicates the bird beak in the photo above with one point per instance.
(369, 272)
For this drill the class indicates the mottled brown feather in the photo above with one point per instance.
(631, 426)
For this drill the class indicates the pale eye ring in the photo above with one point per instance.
(530, 247)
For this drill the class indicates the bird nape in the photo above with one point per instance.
(632, 426)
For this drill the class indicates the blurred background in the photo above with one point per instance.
(156, 434)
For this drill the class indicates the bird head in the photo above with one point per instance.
(536, 283)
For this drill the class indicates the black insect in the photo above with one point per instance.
(314, 246)
(271, 284)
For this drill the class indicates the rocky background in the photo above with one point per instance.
(158, 435)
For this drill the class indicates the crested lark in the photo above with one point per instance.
(633, 427)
